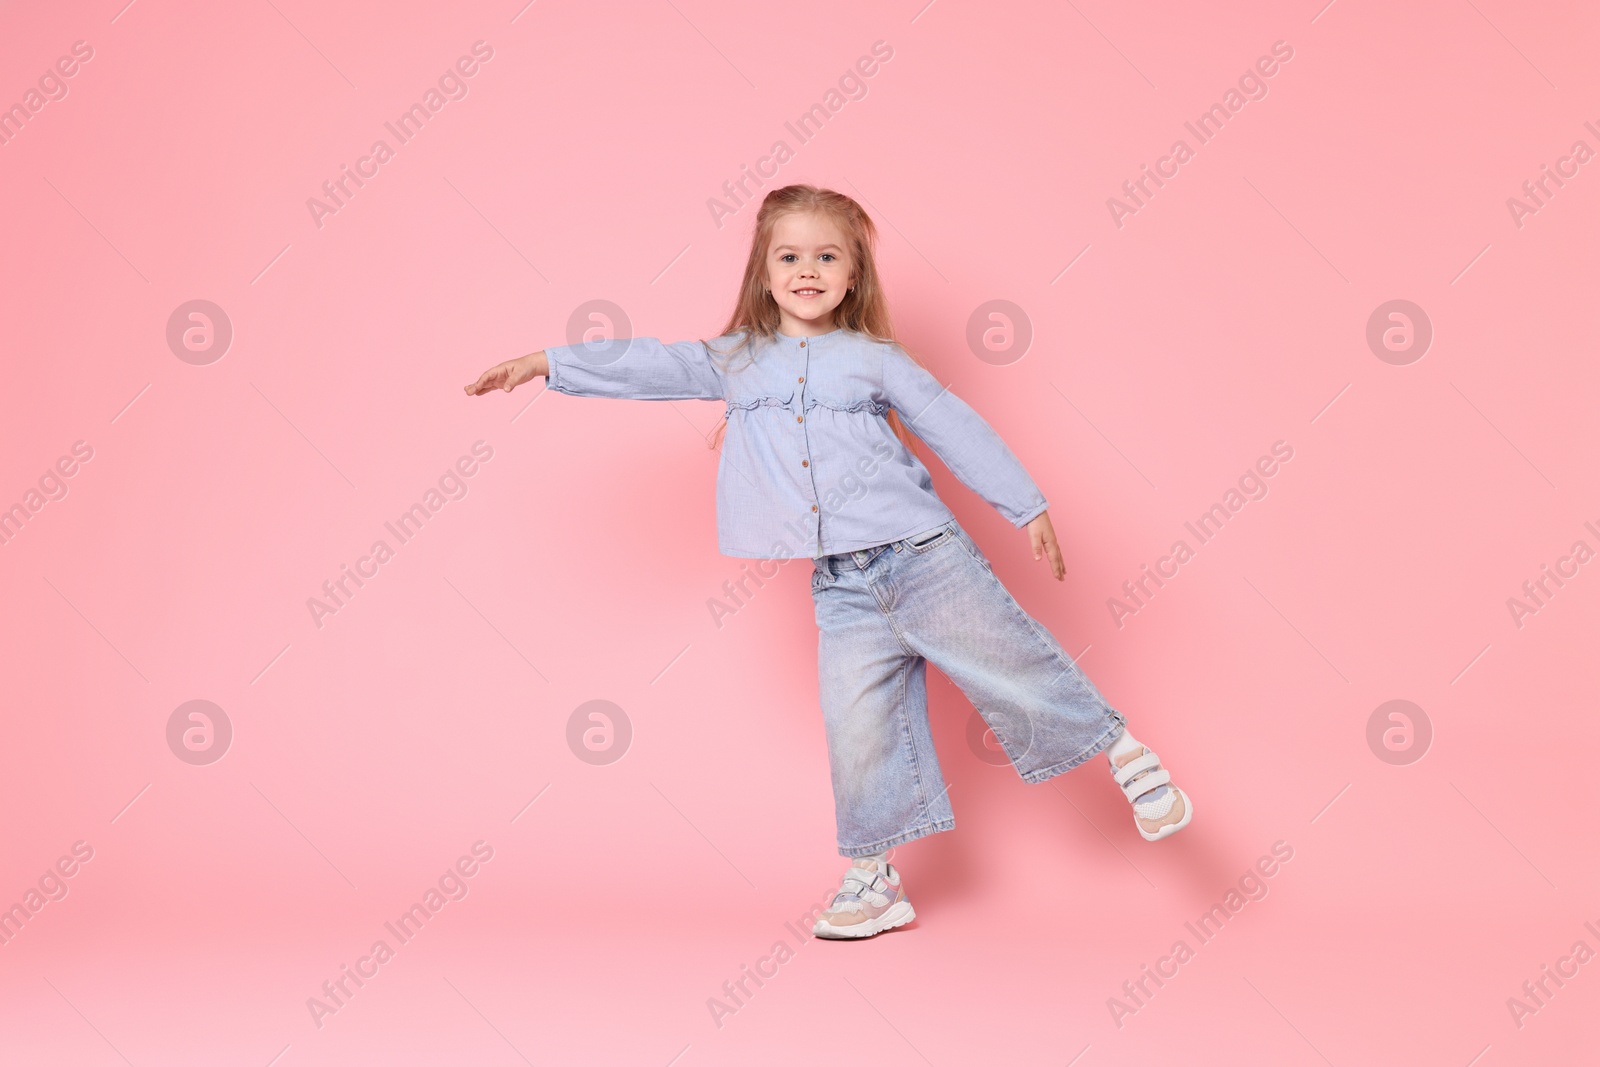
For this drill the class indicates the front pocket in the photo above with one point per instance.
(930, 539)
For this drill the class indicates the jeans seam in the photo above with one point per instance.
(1051, 645)
(888, 616)
(970, 551)
(1005, 746)
(899, 635)
(911, 741)
(1119, 723)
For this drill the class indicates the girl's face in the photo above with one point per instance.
(808, 272)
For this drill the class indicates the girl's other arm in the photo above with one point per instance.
(972, 450)
(961, 438)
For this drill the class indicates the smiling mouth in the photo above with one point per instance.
(807, 292)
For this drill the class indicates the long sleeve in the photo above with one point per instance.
(635, 368)
(960, 437)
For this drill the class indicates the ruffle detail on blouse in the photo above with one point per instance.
(760, 402)
(751, 403)
(872, 406)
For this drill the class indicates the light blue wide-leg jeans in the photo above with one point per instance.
(883, 614)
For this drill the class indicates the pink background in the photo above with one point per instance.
(372, 752)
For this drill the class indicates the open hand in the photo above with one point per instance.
(508, 375)
(1043, 537)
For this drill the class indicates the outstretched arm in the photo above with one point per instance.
(633, 368)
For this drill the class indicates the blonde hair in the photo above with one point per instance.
(864, 309)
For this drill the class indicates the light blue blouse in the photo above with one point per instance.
(810, 466)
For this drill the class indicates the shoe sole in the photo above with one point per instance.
(1169, 830)
(897, 915)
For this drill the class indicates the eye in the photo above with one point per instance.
(786, 257)
(830, 255)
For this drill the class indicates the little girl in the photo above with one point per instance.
(818, 463)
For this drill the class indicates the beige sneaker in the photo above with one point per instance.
(869, 902)
(1158, 812)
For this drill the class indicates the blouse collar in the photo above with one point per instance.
(814, 337)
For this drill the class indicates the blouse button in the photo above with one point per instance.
(799, 418)
(802, 377)
(802, 345)
(813, 507)
(805, 463)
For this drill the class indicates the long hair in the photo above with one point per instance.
(864, 309)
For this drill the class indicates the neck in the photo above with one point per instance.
(793, 327)
(804, 328)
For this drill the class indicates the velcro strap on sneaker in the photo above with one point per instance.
(1147, 762)
(867, 880)
(1140, 786)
